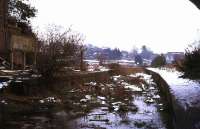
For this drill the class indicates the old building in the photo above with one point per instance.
(17, 42)
(173, 56)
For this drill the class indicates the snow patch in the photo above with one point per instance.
(4, 102)
(89, 97)
(115, 78)
(101, 68)
(50, 100)
(133, 88)
(146, 77)
(101, 98)
(185, 91)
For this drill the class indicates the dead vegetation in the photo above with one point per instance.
(80, 93)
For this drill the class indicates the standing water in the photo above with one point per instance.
(145, 110)
(123, 102)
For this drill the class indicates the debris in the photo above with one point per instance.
(149, 100)
(156, 97)
(115, 78)
(101, 120)
(50, 100)
(88, 97)
(133, 88)
(101, 98)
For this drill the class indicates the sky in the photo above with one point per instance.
(161, 25)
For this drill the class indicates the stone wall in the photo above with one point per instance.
(184, 117)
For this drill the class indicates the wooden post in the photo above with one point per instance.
(24, 60)
(81, 65)
(35, 54)
(12, 62)
(35, 59)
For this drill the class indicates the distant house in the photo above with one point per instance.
(17, 42)
(172, 56)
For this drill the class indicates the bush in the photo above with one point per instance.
(191, 65)
(159, 61)
(47, 65)
(115, 68)
(138, 60)
(58, 49)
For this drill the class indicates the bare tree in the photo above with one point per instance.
(58, 48)
(134, 52)
(101, 58)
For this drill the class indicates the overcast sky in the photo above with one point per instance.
(162, 25)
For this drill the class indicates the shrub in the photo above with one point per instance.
(58, 49)
(115, 68)
(191, 65)
(159, 61)
(138, 60)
